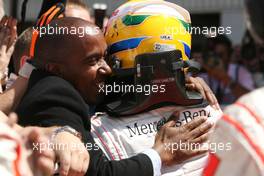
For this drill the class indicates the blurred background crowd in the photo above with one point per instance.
(225, 59)
(232, 63)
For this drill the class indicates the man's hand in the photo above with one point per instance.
(37, 162)
(8, 35)
(3, 117)
(73, 157)
(41, 162)
(198, 84)
(177, 144)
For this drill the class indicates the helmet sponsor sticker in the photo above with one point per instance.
(166, 37)
(163, 47)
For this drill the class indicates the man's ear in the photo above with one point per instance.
(55, 68)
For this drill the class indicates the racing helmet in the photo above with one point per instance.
(147, 26)
(149, 41)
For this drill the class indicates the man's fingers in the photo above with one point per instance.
(86, 165)
(202, 129)
(3, 48)
(195, 123)
(171, 123)
(3, 21)
(12, 119)
(198, 86)
(65, 163)
(201, 139)
(13, 32)
(190, 86)
(198, 152)
(208, 93)
(10, 50)
(3, 117)
(4, 35)
(7, 37)
(33, 136)
(175, 115)
(9, 21)
(8, 31)
(213, 100)
(46, 165)
(3, 30)
(76, 164)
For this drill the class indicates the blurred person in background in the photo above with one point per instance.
(253, 58)
(234, 79)
(20, 55)
(8, 35)
(236, 56)
(201, 54)
(78, 9)
(243, 122)
(22, 48)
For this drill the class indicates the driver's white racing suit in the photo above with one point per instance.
(124, 137)
(242, 125)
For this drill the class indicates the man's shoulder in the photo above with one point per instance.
(41, 80)
(43, 85)
(48, 93)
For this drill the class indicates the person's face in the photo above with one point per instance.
(78, 12)
(222, 52)
(87, 69)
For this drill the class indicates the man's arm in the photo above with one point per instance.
(54, 102)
